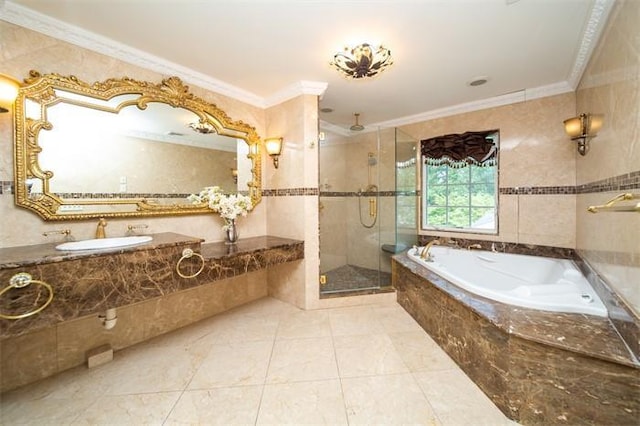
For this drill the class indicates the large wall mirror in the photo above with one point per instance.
(123, 148)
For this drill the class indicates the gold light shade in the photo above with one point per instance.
(573, 127)
(582, 129)
(8, 92)
(274, 149)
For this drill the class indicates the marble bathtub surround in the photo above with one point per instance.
(538, 367)
(89, 282)
(621, 314)
(505, 247)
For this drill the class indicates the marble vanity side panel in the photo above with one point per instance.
(78, 336)
(27, 358)
(584, 390)
(474, 343)
(151, 318)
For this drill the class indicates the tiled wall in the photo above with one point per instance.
(23, 50)
(610, 242)
(536, 168)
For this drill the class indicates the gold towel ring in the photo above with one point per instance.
(186, 254)
(21, 280)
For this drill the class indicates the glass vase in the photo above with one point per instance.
(231, 232)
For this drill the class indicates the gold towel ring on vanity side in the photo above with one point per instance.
(21, 280)
(186, 254)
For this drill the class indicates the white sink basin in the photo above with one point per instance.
(104, 243)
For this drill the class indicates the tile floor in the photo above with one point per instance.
(267, 363)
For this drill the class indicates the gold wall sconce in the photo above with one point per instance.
(582, 129)
(8, 92)
(274, 149)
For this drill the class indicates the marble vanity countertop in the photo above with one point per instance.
(21, 256)
(221, 250)
(583, 334)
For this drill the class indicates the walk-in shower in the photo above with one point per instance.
(358, 226)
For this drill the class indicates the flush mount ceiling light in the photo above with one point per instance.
(582, 129)
(202, 126)
(362, 61)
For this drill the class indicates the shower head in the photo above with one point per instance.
(357, 127)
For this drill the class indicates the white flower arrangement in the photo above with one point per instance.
(229, 206)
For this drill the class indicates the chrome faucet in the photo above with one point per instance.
(100, 228)
(424, 254)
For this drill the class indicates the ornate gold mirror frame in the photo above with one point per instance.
(40, 92)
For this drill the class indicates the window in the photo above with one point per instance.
(460, 194)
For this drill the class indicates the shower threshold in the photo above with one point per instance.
(351, 278)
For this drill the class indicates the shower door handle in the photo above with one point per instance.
(372, 207)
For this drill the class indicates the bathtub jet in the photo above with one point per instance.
(528, 281)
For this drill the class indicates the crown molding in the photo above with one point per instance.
(302, 87)
(496, 101)
(60, 30)
(595, 25)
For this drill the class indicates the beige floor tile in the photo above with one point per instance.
(303, 324)
(234, 364)
(354, 321)
(150, 369)
(391, 399)
(394, 319)
(420, 352)
(302, 360)
(44, 411)
(142, 409)
(223, 406)
(367, 355)
(225, 361)
(318, 402)
(265, 306)
(449, 390)
(244, 328)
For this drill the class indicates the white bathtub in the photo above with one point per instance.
(528, 281)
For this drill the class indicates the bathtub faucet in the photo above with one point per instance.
(424, 254)
(474, 246)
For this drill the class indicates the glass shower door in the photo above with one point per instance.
(350, 222)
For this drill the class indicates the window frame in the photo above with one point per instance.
(467, 230)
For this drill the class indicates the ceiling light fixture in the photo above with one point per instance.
(357, 127)
(362, 61)
(202, 126)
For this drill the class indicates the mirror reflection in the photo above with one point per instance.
(133, 153)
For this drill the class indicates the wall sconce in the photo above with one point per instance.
(582, 129)
(274, 149)
(8, 92)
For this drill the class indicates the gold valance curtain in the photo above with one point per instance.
(460, 150)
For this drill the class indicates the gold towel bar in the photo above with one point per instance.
(610, 205)
(21, 280)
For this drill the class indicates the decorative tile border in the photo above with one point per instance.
(617, 183)
(6, 187)
(289, 192)
(538, 190)
(622, 182)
